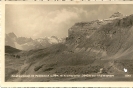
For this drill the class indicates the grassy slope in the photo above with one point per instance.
(55, 60)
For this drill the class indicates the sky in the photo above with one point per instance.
(37, 21)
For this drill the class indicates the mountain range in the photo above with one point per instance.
(24, 43)
(99, 47)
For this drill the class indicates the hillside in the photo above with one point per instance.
(108, 38)
(90, 46)
(9, 49)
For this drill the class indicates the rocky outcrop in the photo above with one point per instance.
(111, 36)
(116, 14)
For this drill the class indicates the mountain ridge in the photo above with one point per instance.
(24, 43)
(83, 34)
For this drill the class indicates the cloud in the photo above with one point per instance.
(47, 20)
(57, 22)
(63, 16)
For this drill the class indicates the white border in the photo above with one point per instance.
(53, 84)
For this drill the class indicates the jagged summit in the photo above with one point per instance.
(24, 43)
(116, 14)
(12, 35)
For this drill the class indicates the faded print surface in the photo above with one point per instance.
(68, 43)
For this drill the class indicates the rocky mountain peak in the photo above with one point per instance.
(12, 35)
(24, 43)
(116, 14)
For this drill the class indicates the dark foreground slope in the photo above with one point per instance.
(13, 61)
(90, 46)
(9, 49)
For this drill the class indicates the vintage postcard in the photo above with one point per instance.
(70, 44)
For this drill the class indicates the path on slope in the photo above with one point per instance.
(112, 65)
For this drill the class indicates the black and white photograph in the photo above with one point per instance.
(68, 43)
